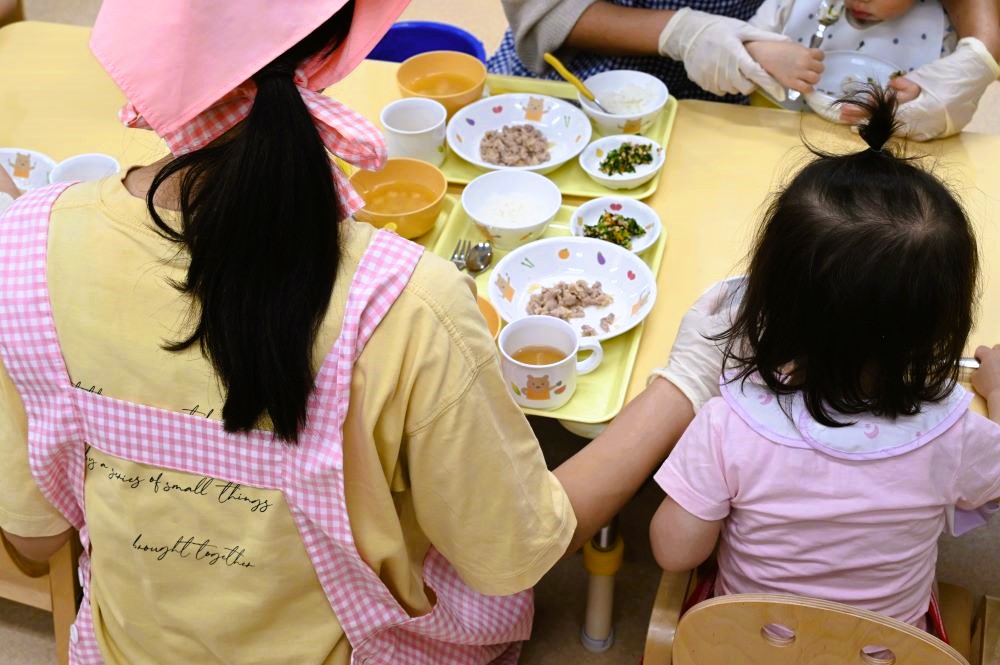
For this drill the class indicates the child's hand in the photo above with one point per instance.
(906, 91)
(792, 65)
(986, 379)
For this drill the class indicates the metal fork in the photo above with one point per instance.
(461, 250)
(828, 15)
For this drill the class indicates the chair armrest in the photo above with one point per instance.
(670, 596)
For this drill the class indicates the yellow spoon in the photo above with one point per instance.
(568, 75)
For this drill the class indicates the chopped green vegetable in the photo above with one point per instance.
(897, 73)
(626, 157)
(615, 228)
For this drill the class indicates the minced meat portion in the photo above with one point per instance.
(514, 145)
(566, 301)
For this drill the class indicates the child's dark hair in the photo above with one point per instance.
(861, 284)
(260, 220)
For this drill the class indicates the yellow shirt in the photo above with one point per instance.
(435, 452)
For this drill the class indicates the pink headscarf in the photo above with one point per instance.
(185, 65)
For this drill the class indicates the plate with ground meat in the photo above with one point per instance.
(599, 288)
(519, 131)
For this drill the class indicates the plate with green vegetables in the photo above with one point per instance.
(625, 161)
(619, 220)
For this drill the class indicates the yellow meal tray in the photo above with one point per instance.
(600, 395)
(571, 179)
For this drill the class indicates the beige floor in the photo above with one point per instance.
(25, 633)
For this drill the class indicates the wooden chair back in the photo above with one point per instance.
(789, 630)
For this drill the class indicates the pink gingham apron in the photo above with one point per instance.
(463, 628)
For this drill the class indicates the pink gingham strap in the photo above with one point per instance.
(382, 274)
(345, 133)
(31, 353)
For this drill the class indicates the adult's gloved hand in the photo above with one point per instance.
(711, 48)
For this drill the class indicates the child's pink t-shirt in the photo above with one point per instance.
(800, 521)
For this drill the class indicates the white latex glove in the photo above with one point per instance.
(711, 48)
(695, 363)
(950, 89)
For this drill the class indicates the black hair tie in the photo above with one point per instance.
(276, 70)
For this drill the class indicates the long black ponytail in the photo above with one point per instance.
(259, 213)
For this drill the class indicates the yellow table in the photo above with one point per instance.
(721, 163)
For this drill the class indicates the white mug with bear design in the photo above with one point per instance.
(551, 385)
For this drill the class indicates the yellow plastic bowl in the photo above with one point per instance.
(490, 314)
(402, 171)
(452, 78)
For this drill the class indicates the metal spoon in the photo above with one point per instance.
(478, 258)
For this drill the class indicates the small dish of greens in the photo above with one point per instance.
(625, 158)
(625, 161)
(622, 221)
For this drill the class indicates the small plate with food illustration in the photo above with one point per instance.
(620, 220)
(599, 288)
(519, 131)
(623, 161)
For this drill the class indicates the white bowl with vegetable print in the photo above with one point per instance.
(844, 74)
(589, 215)
(29, 169)
(635, 99)
(546, 262)
(565, 127)
(603, 152)
(511, 208)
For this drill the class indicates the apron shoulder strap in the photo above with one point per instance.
(30, 349)
(382, 274)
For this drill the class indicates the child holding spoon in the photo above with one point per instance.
(941, 77)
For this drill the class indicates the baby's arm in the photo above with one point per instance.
(986, 379)
(792, 65)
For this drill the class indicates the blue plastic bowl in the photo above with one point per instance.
(408, 38)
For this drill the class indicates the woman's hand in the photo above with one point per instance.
(695, 362)
(792, 65)
(986, 379)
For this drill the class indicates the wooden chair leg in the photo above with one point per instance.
(65, 587)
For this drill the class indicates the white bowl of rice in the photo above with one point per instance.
(635, 100)
(511, 207)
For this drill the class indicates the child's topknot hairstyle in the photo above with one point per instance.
(862, 282)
